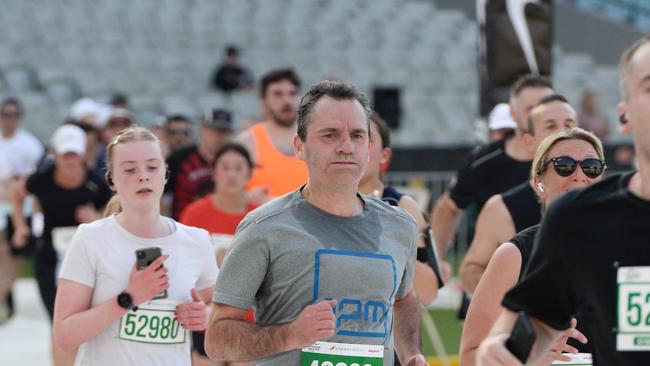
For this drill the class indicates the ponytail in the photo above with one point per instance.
(114, 206)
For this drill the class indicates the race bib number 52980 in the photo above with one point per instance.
(152, 324)
(633, 316)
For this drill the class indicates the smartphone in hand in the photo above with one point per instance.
(521, 338)
(144, 257)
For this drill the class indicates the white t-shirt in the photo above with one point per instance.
(101, 256)
(24, 152)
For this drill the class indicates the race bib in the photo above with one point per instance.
(633, 316)
(221, 241)
(342, 354)
(152, 324)
(62, 237)
(582, 359)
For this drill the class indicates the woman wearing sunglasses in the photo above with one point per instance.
(568, 159)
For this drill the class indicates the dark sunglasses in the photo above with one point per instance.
(565, 166)
(174, 132)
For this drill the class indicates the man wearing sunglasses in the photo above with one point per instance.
(21, 152)
(592, 250)
(178, 129)
(508, 213)
(190, 167)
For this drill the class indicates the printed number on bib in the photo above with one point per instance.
(633, 315)
(342, 354)
(152, 324)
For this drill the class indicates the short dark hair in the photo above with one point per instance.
(12, 101)
(274, 76)
(178, 117)
(529, 81)
(232, 51)
(625, 64)
(235, 147)
(382, 128)
(545, 100)
(333, 89)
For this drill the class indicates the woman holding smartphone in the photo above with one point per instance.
(106, 307)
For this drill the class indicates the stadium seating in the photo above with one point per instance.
(162, 55)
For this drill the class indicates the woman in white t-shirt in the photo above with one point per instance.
(106, 307)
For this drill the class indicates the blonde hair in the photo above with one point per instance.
(574, 133)
(114, 206)
(135, 133)
(128, 135)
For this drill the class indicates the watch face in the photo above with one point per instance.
(124, 300)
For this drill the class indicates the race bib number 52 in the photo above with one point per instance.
(633, 314)
(342, 354)
(152, 324)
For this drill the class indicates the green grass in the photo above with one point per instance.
(449, 327)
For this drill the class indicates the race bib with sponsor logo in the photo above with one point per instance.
(578, 359)
(342, 354)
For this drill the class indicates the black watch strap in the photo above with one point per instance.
(125, 301)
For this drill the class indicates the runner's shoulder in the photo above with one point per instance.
(274, 209)
(586, 200)
(387, 211)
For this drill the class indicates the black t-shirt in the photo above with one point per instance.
(59, 204)
(523, 240)
(488, 171)
(190, 178)
(231, 77)
(588, 239)
(523, 206)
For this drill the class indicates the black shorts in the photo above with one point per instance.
(27, 250)
(198, 343)
(45, 263)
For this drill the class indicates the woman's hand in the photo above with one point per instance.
(149, 282)
(192, 314)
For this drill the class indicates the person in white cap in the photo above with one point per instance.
(69, 194)
(500, 122)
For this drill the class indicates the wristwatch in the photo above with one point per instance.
(125, 301)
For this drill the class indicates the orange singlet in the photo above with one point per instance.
(274, 170)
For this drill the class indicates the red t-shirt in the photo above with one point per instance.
(205, 215)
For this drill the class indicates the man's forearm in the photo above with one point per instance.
(444, 220)
(407, 327)
(238, 340)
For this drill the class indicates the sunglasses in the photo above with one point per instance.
(565, 166)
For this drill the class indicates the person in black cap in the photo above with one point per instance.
(190, 174)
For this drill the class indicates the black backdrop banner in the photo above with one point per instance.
(516, 38)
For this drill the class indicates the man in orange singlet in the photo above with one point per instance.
(277, 170)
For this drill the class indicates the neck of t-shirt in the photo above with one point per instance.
(344, 203)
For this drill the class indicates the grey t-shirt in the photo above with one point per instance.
(288, 254)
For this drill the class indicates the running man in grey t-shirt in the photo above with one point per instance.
(322, 263)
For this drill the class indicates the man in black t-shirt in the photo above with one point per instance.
(518, 208)
(190, 170)
(490, 169)
(591, 251)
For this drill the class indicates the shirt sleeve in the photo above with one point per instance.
(210, 270)
(79, 264)
(462, 192)
(244, 268)
(407, 276)
(545, 291)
